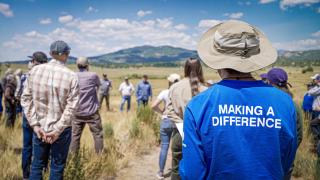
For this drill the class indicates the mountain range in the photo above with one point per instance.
(168, 54)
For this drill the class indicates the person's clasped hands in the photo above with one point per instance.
(49, 137)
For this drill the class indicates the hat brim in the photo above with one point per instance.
(216, 60)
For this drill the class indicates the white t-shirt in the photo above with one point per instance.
(126, 89)
(164, 96)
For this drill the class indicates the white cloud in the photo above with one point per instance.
(236, 15)
(142, 13)
(5, 10)
(316, 34)
(318, 10)
(181, 27)
(45, 21)
(65, 19)
(208, 23)
(91, 10)
(266, 1)
(304, 44)
(284, 4)
(94, 37)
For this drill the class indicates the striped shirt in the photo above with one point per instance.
(50, 96)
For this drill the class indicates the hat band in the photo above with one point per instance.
(246, 46)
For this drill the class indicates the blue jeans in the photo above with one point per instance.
(166, 128)
(58, 152)
(27, 147)
(123, 101)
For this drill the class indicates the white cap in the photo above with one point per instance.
(83, 61)
(173, 77)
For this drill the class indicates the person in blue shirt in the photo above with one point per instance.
(307, 103)
(144, 91)
(240, 128)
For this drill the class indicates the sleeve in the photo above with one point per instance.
(28, 104)
(160, 97)
(173, 111)
(192, 150)
(289, 142)
(314, 91)
(69, 111)
(138, 89)
(98, 82)
(299, 125)
(150, 90)
(120, 87)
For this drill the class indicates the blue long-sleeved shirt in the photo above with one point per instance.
(144, 90)
(239, 130)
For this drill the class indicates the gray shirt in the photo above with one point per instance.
(105, 87)
(89, 83)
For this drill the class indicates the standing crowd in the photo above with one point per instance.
(219, 130)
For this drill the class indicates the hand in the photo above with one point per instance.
(39, 132)
(51, 137)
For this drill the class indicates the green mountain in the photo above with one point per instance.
(145, 54)
(299, 58)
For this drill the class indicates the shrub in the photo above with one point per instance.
(135, 131)
(108, 131)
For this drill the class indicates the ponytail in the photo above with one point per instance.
(193, 70)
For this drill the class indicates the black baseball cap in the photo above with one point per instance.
(39, 57)
(60, 47)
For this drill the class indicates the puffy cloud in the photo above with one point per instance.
(45, 21)
(266, 1)
(304, 44)
(142, 13)
(316, 34)
(94, 37)
(284, 4)
(181, 27)
(91, 10)
(5, 10)
(236, 15)
(65, 19)
(208, 23)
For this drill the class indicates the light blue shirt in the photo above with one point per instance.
(144, 90)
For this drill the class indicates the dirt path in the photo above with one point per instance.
(145, 167)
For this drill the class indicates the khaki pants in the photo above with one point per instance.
(94, 122)
(107, 97)
(176, 148)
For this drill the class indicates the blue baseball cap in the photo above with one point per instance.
(278, 77)
(59, 47)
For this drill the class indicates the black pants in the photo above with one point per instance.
(10, 113)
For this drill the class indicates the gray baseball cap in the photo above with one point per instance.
(59, 47)
(39, 57)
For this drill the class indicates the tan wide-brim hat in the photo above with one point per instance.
(229, 32)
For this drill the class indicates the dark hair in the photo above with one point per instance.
(193, 70)
(80, 66)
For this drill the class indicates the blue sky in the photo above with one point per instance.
(94, 27)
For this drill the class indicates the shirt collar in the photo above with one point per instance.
(54, 61)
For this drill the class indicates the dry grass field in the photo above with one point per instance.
(128, 135)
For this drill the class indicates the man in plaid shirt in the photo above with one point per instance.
(50, 99)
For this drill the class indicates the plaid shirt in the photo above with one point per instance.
(50, 96)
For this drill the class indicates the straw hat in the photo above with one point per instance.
(236, 45)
